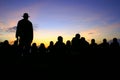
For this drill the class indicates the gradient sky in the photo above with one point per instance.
(96, 19)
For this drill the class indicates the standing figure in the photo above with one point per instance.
(24, 33)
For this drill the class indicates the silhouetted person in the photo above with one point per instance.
(115, 48)
(6, 52)
(115, 43)
(50, 48)
(104, 48)
(104, 44)
(6, 47)
(60, 46)
(15, 48)
(93, 50)
(42, 49)
(84, 44)
(76, 42)
(68, 47)
(34, 49)
(24, 33)
(93, 44)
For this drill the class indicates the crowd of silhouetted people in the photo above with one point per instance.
(78, 49)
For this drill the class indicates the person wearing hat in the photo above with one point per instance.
(24, 33)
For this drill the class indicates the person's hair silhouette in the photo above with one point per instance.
(24, 33)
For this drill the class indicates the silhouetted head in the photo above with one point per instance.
(68, 42)
(6, 42)
(25, 15)
(114, 39)
(60, 39)
(77, 35)
(15, 42)
(104, 40)
(42, 45)
(93, 41)
(34, 45)
(82, 38)
(51, 43)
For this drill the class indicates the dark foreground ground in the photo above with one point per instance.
(90, 63)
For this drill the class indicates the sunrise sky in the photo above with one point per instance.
(96, 19)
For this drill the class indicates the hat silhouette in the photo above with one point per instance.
(25, 15)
